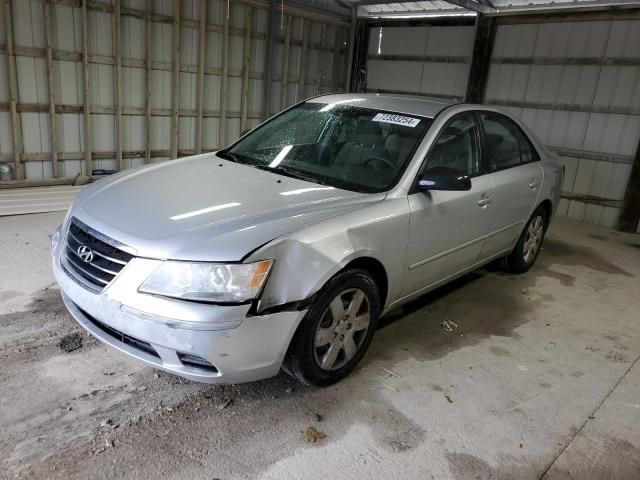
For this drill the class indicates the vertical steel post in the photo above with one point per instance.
(51, 85)
(202, 37)
(268, 58)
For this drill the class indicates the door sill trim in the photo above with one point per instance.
(464, 245)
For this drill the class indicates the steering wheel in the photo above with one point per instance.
(387, 162)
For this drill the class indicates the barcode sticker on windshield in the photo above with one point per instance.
(396, 119)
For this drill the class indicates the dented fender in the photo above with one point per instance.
(304, 261)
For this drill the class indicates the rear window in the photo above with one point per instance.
(505, 144)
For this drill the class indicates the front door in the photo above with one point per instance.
(447, 227)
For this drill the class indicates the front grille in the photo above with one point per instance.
(122, 337)
(108, 256)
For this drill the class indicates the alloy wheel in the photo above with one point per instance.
(533, 241)
(342, 329)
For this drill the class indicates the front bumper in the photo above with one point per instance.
(240, 348)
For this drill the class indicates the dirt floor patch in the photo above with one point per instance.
(33, 333)
(500, 352)
(464, 466)
(566, 254)
(616, 357)
(597, 236)
(564, 279)
(70, 342)
(312, 435)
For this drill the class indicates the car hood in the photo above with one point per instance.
(206, 208)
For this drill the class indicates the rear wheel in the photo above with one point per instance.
(337, 330)
(529, 244)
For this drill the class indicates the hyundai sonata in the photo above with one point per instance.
(284, 249)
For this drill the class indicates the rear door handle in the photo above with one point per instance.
(485, 200)
(534, 184)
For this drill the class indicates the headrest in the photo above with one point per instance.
(365, 126)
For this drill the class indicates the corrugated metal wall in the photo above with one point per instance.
(118, 68)
(428, 60)
(577, 85)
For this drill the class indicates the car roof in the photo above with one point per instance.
(408, 104)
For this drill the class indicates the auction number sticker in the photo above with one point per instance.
(396, 119)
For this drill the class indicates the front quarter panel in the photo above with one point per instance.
(306, 260)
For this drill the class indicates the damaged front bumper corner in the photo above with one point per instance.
(201, 342)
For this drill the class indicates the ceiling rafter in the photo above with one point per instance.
(481, 6)
(489, 7)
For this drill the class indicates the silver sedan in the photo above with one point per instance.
(283, 250)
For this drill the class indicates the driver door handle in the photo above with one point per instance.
(485, 200)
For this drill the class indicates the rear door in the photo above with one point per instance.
(516, 172)
(447, 227)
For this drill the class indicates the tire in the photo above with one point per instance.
(325, 349)
(525, 253)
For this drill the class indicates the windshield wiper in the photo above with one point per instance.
(289, 173)
(227, 156)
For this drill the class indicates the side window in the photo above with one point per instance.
(502, 148)
(456, 146)
(527, 151)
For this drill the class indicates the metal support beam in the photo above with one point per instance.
(420, 58)
(571, 107)
(88, 132)
(13, 91)
(76, 180)
(110, 110)
(147, 80)
(320, 60)
(629, 220)
(589, 12)
(335, 64)
(481, 6)
(302, 60)
(285, 64)
(51, 86)
(480, 62)
(352, 44)
(246, 65)
(360, 57)
(596, 61)
(72, 56)
(224, 81)
(202, 37)
(473, 5)
(487, 3)
(268, 58)
(175, 81)
(117, 80)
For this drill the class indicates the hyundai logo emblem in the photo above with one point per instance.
(85, 253)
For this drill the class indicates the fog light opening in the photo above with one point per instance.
(194, 361)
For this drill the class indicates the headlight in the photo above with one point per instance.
(208, 282)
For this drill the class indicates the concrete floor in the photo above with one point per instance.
(539, 379)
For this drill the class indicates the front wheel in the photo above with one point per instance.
(337, 330)
(529, 244)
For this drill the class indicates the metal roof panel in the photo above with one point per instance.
(409, 104)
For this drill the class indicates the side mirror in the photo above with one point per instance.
(442, 178)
